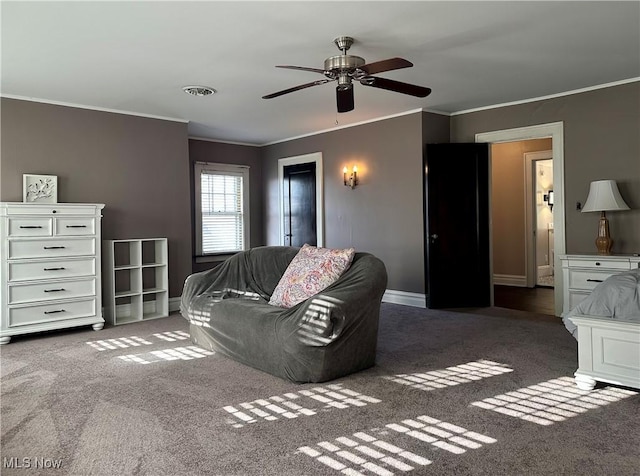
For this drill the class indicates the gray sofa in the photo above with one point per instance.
(329, 335)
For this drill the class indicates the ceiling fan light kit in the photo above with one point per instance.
(346, 68)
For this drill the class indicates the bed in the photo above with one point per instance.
(606, 325)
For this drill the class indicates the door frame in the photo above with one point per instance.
(555, 130)
(530, 216)
(315, 157)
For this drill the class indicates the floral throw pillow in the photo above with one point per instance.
(310, 271)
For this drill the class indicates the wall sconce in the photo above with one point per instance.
(549, 199)
(352, 179)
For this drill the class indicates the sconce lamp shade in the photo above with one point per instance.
(604, 196)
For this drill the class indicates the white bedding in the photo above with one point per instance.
(617, 297)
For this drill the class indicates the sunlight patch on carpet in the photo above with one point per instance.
(135, 341)
(172, 336)
(451, 376)
(292, 405)
(178, 353)
(383, 451)
(553, 401)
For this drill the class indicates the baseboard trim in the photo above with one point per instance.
(405, 298)
(174, 304)
(510, 280)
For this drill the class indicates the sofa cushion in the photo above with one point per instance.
(311, 270)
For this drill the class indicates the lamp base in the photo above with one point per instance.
(603, 241)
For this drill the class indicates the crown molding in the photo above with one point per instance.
(93, 108)
(550, 96)
(207, 139)
(346, 126)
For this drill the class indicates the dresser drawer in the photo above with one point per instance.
(55, 209)
(24, 293)
(22, 316)
(575, 297)
(588, 279)
(599, 264)
(51, 269)
(75, 226)
(51, 248)
(30, 227)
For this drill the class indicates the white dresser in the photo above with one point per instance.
(582, 273)
(50, 267)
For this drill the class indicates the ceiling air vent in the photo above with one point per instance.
(199, 90)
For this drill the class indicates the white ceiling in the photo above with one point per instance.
(136, 56)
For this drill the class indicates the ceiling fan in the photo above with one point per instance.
(346, 68)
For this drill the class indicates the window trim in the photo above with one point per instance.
(221, 169)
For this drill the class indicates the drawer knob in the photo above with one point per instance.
(54, 290)
(594, 280)
(597, 263)
(53, 269)
(54, 247)
(54, 312)
(30, 226)
(76, 226)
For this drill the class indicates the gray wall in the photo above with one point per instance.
(141, 168)
(137, 166)
(601, 141)
(383, 214)
(222, 153)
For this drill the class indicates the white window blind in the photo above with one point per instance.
(222, 211)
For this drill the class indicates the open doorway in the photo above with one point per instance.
(540, 201)
(301, 178)
(521, 178)
(515, 278)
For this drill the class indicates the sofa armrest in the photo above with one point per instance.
(322, 319)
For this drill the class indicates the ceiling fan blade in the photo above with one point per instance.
(385, 65)
(302, 68)
(296, 88)
(396, 86)
(344, 99)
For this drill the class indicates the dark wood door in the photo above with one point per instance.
(456, 204)
(300, 204)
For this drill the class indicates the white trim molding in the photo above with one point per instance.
(346, 126)
(555, 130)
(315, 157)
(549, 96)
(405, 298)
(93, 108)
(510, 280)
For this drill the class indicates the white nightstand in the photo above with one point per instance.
(582, 273)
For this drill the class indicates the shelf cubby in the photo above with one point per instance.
(136, 280)
(154, 304)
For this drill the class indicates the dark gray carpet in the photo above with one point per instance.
(469, 392)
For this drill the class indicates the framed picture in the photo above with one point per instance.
(39, 188)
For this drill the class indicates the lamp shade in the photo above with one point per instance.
(604, 196)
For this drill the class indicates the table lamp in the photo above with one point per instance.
(604, 196)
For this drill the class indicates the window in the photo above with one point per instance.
(222, 208)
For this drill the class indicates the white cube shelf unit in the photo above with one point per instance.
(136, 280)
